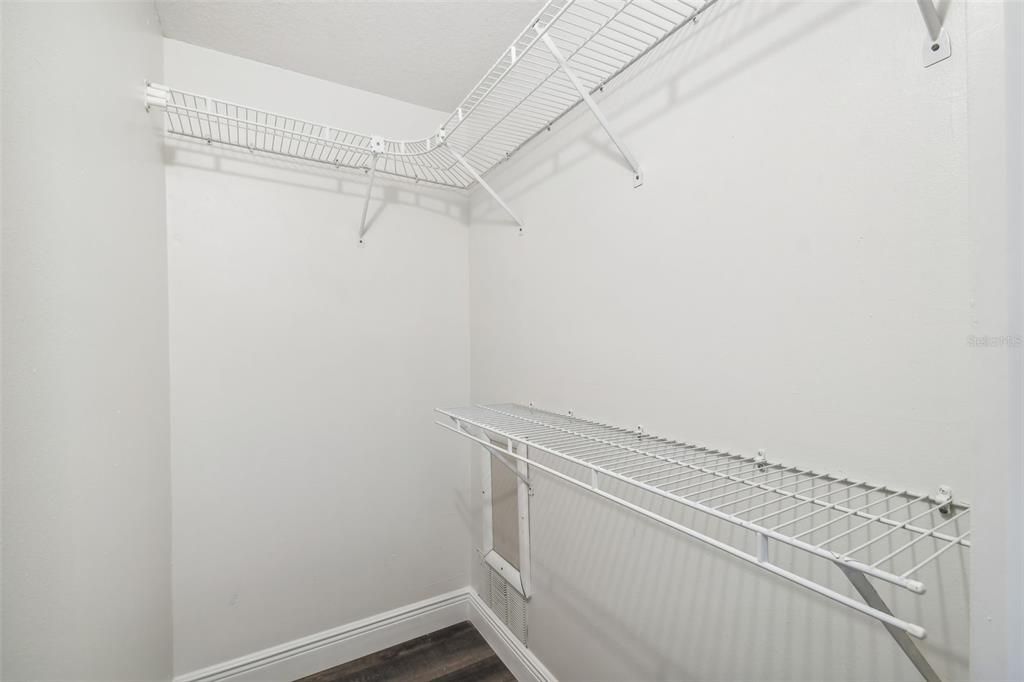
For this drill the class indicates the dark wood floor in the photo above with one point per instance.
(455, 654)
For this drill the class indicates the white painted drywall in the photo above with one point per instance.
(1, 342)
(86, 476)
(795, 275)
(310, 487)
(996, 148)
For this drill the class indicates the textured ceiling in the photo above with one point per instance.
(426, 52)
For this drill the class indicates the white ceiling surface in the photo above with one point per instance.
(426, 52)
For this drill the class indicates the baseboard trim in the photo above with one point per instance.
(329, 648)
(514, 654)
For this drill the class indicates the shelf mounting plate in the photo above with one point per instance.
(937, 46)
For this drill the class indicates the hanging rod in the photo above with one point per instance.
(868, 531)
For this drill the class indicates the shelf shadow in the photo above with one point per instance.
(387, 191)
(718, 29)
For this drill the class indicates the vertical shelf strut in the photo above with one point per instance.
(523, 493)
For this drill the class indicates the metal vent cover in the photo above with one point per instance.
(506, 603)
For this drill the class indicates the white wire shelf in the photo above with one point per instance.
(568, 51)
(216, 121)
(867, 530)
(527, 89)
(522, 94)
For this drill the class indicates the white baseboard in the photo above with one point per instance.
(329, 648)
(517, 658)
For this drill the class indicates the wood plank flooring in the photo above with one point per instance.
(455, 654)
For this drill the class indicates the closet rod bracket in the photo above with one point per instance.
(937, 46)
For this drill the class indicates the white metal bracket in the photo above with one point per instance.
(376, 147)
(761, 460)
(945, 499)
(937, 46)
(634, 166)
(499, 454)
(156, 95)
(870, 595)
(524, 491)
(476, 176)
(518, 578)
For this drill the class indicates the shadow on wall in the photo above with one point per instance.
(595, 564)
(345, 182)
(662, 75)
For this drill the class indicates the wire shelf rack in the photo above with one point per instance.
(216, 121)
(522, 94)
(867, 530)
(527, 89)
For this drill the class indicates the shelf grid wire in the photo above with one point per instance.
(887, 534)
(521, 95)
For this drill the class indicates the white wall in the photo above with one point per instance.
(996, 147)
(310, 486)
(86, 479)
(794, 275)
(1, 335)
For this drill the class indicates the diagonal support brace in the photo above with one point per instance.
(366, 199)
(937, 47)
(638, 174)
(870, 595)
(481, 437)
(483, 183)
(376, 148)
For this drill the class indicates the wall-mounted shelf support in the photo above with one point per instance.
(871, 597)
(376, 144)
(867, 531)
(523, 494)
(366, 199)
(634, 165)
(481, 437)
(937, 46)
(518, 577)
(483, 183)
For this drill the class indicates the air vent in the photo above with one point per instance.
(507, 604)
